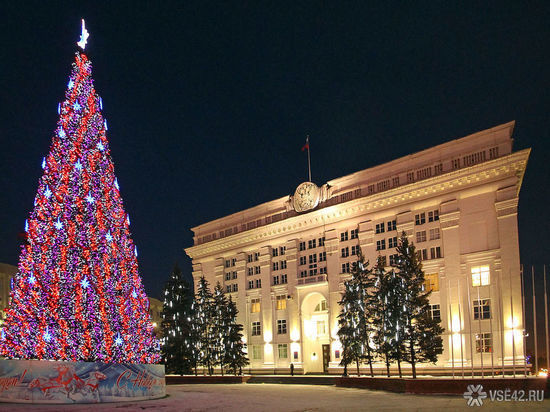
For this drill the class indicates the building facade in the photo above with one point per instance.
(7, 272)
(285, 261)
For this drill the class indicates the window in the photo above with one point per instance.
(255, 305)
(250, 271)
(227, 263)
(484, 342)
(312, 272)
(422, 254)
(394, 259)
(275, 265)
(249, 258)
(434, 234)
(275, 280)
(228, 288)
(433, 216)
(281, 302)
(323, 257)
(370, 189)
(250, 284)
(302, 246)
(234, 275)
(421, 236)
(257, 270)
(420, 219)
(480, 276)
(303, 260)
(258, 283)
(380, 227)
(345, 252)
(282, 348)
(392, 242)
(381, 244)
(323, 270)
(345, 267)
(435, 252)
(282, 250)
(256, 256)
(303, 273)
(256, 352)
(312, 258)
(482, 309)
(256, 329)
(410, 177)
(312, 243)
(233, 262)
(344, 236)
(392, 225)
(275, 252)
(438, 169)
(284, 278)
(228, 276)
(355, 250)
(322, 241)
(395, 181)
(283, 264)
(355, 233)
(435, 312)
(455, 164)
(431, 282)
(321, 330)
(235, 287)
(281, 326)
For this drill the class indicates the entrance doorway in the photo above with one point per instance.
(326, 357)
(315, 333)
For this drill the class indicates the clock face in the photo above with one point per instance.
(306, 197)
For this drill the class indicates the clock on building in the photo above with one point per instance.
(306, 197)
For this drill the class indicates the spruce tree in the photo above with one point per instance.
(235, 356)
(378, 301)
(220, 326)
(176, 328)
(202, 326)
(421, 334)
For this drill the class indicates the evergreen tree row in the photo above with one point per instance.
(385, 315)
(200, 330)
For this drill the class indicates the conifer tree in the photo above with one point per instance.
(235, 356)
(378, 301)
(422, 335)
(176, 314)
(220, 326)
(202, 326)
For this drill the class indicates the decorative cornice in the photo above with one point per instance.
(512, 165)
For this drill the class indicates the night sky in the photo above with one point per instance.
(208, 105)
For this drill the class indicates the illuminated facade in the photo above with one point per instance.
(285, 261)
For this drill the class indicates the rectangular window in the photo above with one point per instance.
(322, 257)
(355, 233)
(321, 330)
(345, 252)
(233, 262)
(282, 250)
(281, 326)
(275, 252)
(255, 305)
(421, 236)
(482, 309)
(394, 259)
(256, 329)
(355, 250)
(250, 271)
(410, 177)
(250, 284)
(381, 244)
(484, 342)
(234, 275)
(281, 302)
(257, 270)
(323, 270)
(313, 272)
(256, 256)
(392, 225)
(258, 283)
(284, 279)
(235, 287)
(322, 241)
(227, 263)
(435, 312)
(312, 259)
(434, 234)
(275, 265)
(283, 264)
(256, 352)
(380, 227)
(282, 348)
(435, 252)
(433, 216)
(249, 258)
(303, 260)
(228, 276)
(228, 288)
(392, 242)
(395, 181)
(370, 189)
(302, 246)
(438, 169)
(312, 243)
(345, 267)
(420, 219)
(480, 276)
(303, 273)
(431, 282)
(275, 280)
(422, 254)
(344, 236)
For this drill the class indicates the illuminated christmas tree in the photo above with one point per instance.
(78, 294)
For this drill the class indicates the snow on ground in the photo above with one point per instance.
(275, 397)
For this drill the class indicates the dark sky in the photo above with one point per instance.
(208, 104)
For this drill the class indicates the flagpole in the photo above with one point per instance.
(308, 159)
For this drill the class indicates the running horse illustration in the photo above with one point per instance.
(67, 382)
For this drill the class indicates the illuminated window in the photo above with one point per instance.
(480, 276)
(281, 302)
(321, 306)
(256, 352)
(255, 305)
(431, 282)
(283, 350)
(321, 327)
(482, 309)
(484, 342)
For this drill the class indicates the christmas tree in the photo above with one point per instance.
(234, 356)
(78, 294)
(176, 313)
(202, 328)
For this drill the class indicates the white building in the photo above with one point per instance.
(285, 261)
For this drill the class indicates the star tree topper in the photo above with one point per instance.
(83, 36)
